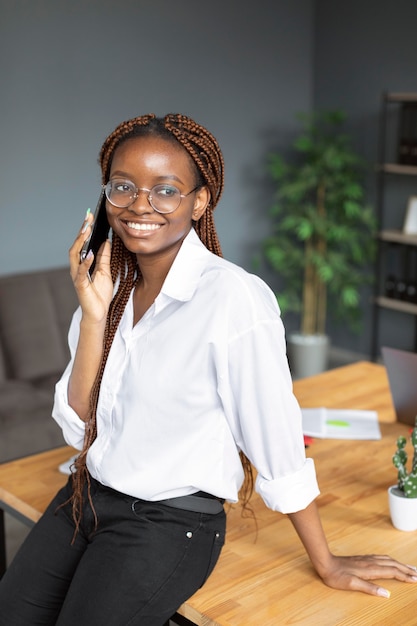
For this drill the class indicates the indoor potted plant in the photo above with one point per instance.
(403, 496)
(322, 241)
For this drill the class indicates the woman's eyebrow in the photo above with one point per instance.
(122, 174)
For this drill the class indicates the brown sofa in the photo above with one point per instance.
(35, 313)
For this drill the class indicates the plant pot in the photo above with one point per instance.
(403, 510)
(307, 354)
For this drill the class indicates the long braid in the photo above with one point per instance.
(206, 154)
(125, 269)
(208, 159)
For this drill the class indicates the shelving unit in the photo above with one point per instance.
(395, 168)
(391, 289)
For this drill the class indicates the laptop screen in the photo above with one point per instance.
(401, 369)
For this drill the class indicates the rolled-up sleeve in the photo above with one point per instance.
(73, 428)
(267, 423)
(290, 493)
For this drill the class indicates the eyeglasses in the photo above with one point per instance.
(163, 198)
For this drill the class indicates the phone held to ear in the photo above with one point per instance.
(99, 233)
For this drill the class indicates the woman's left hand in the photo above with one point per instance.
(355, 573)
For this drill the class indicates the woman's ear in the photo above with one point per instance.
(201, 202)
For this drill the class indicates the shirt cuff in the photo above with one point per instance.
(292, 493)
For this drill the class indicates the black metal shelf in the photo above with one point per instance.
(396, 305)
(398, 236)
(398, 168)
(404, 96)
(390, 239)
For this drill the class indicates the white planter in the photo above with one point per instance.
(307, 354)
(403, 510)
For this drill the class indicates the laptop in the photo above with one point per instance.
(401, 368)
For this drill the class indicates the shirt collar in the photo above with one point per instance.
(184, 274)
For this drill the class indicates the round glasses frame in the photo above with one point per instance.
(135, 194)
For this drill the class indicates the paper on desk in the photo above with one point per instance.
(340, 423)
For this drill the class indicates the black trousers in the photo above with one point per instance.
(135, 569)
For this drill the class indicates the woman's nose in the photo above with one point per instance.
(141, 203)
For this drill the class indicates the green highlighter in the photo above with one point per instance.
(337, 423)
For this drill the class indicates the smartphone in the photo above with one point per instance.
(99, 231)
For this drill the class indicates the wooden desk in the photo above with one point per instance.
(264, 576)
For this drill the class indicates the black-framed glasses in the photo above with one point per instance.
(164, 198)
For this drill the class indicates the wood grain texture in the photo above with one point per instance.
(264, 577)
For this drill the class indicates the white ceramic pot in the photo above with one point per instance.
(403, 510)
(307, 354)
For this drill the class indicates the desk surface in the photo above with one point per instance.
(264, 576)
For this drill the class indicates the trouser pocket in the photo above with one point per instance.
(217, 545)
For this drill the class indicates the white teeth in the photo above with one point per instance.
(137, 226)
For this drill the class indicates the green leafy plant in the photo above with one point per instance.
(407, 481)
(323, 234)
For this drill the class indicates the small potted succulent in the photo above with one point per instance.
(403, 495)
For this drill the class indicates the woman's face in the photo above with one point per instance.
(149, 161)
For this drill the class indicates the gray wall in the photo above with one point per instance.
(72, 70)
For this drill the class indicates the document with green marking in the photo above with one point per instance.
(340, 423)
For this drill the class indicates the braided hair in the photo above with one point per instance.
(208, 162)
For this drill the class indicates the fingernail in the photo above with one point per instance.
(412, 567)
(85, 225)
(414, 579)
(89, 255)
(384, 593)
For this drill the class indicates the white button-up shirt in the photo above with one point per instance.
(203, 374)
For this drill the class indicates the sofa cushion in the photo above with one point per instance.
(32, 325)
(2, 366)
(26, 424)
(46, 383)
(64, 300)
(44, 434)
(17, 396)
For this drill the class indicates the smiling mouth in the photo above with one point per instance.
(137, 226)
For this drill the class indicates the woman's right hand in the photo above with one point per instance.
(94, 294)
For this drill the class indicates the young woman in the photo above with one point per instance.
(178, 376)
